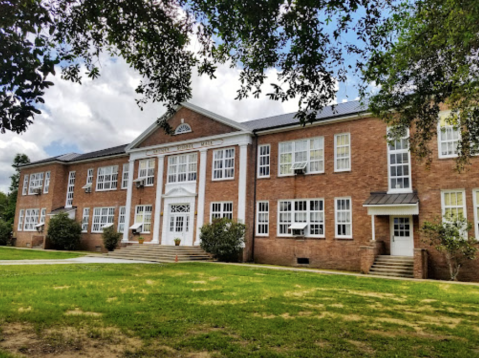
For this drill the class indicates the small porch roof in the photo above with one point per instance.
(382, 203)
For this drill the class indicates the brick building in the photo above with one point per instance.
(330, 195)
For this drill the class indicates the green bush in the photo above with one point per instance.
(223, 239)
(64, 233)
(110, 238)
(5, 233)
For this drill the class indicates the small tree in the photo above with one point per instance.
(63, 232)
(5, 233)
(223, 239)
(110, 238)
(450, 238)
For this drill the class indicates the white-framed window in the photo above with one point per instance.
(143, 216)
(46, 185)
(25, 185)
(342, 152)
(343, 217)
(121, 219)
(85, 219)
(264, 152)
(305, 153)
(43, 214)
(107, 178)
(182, 168)
(183, 128)
(399, 161)
(475, 196)
(262, 218)
(102, 217)
(36, 183)
(125, 175)
(89, 176)
(21, 215)
(31, 219)
(301, 211)
(221, 210)
(453, 203)
(448, 136)
(147, 171)
(224, 164)
(70, 189)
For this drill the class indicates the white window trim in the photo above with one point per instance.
(187, 173)
(125, 170)
(308, 211)
(89, 176)
(348, 237)
(400, 191)
(121, 213)
(179, 130)
(143, 215)
(223, 169)
(222, 212)
(21, 217)
(111, 181)
(257, 218)
(99, 224)
(259, 158)
(308, 161)
(30, 188)
(146, 177)
(88, 220)
(46, 179)
(71, 176)
(476, 218)
(443, 204)
(26, 180)
(43, 215)
(438, 136)
(336, 170)
(31, 224)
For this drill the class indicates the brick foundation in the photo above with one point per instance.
(368, 254)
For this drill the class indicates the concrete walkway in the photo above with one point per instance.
(76, 260)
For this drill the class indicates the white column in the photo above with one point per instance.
(201, 194)
(159, 191)
(373, 228)
(129, 193)
(243, 167)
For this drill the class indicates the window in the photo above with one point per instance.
(31, 219)
(262, 218)
(36, 183)
(475, 195)
(221, 210)
(43, 214)
(263, 160)
(46, 185)
(453, 203)
(89, 176)
(85, 218)
(25, 184)
(342, 208)
(179, 218)
(306, 153)
(448, 136)
(224, 164)
(20, 220)
(147, 171)
(70, 189)
(121, 219)
(107, 178)
(125, 175)
(102, 217)
(183, 128)
(342, 152)
(399, 165)
(143, 216)
(182, 168)
(309, 212)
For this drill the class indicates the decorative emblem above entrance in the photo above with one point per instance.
(178, 192)
(183, 128)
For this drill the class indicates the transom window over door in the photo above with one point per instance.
(179, 218)
(224, 164)
(399, 161)
(305, 153)
(182, 168)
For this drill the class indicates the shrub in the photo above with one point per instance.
(110, 238)
(223, 239)
(64, 233)
(5, 233)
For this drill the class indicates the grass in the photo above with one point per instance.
(207, 310)
(9, 253)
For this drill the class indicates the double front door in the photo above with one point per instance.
(402, 238)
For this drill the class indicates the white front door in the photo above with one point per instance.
(180, 224)
(402, 238)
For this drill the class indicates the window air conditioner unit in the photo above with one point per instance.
(299, 168)
(37, 191)
(40, 227)
(139, 182)
(136, 228)
(297, 229)
(87, 188)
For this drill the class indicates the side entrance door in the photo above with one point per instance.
(180, 224)
(402, 238)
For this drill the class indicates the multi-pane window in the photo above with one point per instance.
(147, 171)
(85, 218)
(224, 164)
(402, 227)
(31, 219)
(307, 212)
(399, 165)
(20, 220)
(89, 176)
(342, 152)
(46, 185)
(475, 195)
(180, 218)
(305, 154)
(43, 214)
(182, 168)
(25, 184)
(121, 219)
(125, 175)
(143, 216)
(70, 189)
(222, 210)
(343, 216)
(36, 183)
(448, 136)
(453, 203)
(264, 152)
(183, 128)
(262, 219)
(102, 217)
(107, 178)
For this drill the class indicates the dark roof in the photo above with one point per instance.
(284, 120)
(392, 199)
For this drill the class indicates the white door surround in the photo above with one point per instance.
(402, 236)
(178, 220)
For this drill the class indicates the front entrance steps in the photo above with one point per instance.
(396, 266)
(160, 253)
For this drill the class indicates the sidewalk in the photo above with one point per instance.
(76, 260)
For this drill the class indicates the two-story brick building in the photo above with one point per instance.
(332, 194)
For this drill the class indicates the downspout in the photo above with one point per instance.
(254, 188)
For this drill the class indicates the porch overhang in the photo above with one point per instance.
(382, 203)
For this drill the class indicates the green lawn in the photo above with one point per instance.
(207, 310)
(9, 253)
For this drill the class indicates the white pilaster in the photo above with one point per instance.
(129, 193)
(201, 194)
(243, 167)
(159, 191)
(373, 228)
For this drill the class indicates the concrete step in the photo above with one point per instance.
(158, 253)
(393, 266)
(392, 270)
(389, 274)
